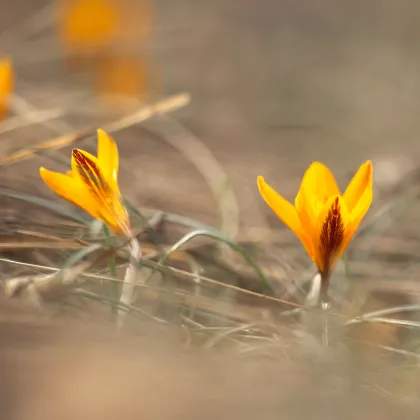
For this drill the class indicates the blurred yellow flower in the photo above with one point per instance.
(92, 25)
(92, 184)
(107, 38)
(6, 84)
(87, 24)
(322, 218)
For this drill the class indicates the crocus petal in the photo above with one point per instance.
(108, 158)
(76, 166)
(357, 187)
(71, 190)
(320, 182)
(6, 83)
(286, 212)
(115, 215)
(309, 208)
(358, 214)
(304, 212)
(362, 206)
(86, 169)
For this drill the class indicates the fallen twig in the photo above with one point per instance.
(161, 107)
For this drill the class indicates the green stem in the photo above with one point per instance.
(215, 235)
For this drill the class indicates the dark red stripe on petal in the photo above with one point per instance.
(332, 236)
(89, 172)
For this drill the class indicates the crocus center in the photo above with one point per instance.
(331, 237)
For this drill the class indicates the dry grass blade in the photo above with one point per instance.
(166, 105)
(194, 276)
(217, 338)
(33, 289)
(35, 117)
(36, 288)
(121, 306)
(15, 244)
(393, 321)
(386, 311)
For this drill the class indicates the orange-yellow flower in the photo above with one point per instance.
(92, 184)
(100, 25)
(6, 84)
(87, 24)
(322, 218)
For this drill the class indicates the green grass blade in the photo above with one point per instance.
(48, 204)
(219, 237)
(80, 254)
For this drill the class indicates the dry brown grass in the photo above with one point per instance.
(60, 369)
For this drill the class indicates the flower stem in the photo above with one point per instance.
(112, 267)
(129, 280)
(312, 298)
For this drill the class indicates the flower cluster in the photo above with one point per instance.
(322, 218)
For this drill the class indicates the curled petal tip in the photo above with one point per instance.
(369, 172)
(260, 181)
(368, 165)
(262, 185)
(43, 171)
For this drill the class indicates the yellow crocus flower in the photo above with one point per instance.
(92, 184)
(87, 24)
(6, 84)
(101, 25)
(322, 218)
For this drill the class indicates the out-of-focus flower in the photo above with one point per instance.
(6, 84)
(322, 218)
(108, 39)
(92, 184)
(88, 24)
(97, 25)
